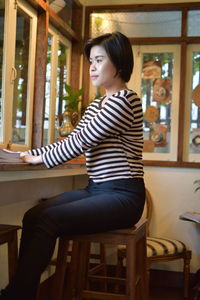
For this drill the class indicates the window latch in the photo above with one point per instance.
(13, 75)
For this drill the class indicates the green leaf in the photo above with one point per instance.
(69, 90)
(66, 98)
(72, 98)
(79, 93)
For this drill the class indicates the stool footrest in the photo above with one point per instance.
(107, 278)
(101, 295)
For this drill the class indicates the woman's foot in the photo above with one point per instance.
(2, 296)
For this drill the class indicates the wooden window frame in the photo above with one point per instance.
(9, 73)
(47, 16)
(183, 41)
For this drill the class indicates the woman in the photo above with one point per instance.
(110, 135)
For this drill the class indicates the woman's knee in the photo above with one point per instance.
(30, 217)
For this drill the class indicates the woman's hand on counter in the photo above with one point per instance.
(31, 159)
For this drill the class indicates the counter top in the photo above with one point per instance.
(23, 171)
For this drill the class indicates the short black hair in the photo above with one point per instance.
(119, 50)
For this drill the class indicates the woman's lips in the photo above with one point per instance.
(94, 77)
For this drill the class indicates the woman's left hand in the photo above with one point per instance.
(31, 159)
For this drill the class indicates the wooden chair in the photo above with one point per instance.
(8, 235)
(136, 284)
(161, 249)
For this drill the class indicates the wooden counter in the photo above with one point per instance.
(23, 171)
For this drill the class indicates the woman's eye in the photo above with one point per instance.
(99, 60)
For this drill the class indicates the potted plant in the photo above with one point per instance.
(71, 113)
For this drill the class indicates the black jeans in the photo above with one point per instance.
(99, 207)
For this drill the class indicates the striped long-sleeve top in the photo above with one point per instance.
(111, 136)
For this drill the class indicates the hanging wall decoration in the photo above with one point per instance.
(161, 90)
(151, 69)
(196, 139)
(151, 114)
(196, 95)
(158, 135)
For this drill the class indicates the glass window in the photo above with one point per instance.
(21, 77)
(58, 63)
(61, 80)
(194, 23)
(2, 18)
(192, 126)
(156, 98)
(137, 24)
(47, 91)
(157, 87)
(19, 41)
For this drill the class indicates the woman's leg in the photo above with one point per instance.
(31, 216)
(36, 232)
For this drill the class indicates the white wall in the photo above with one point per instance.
(172, 190)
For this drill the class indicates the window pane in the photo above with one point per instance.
(2, 7)
(156, 86)
(194, 23)
(61, 80)
(137, 24)
(21, 74)
(47, 92)
(195, 105)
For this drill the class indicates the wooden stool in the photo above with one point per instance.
(8, 234)
(136, 282)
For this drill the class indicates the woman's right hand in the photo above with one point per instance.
(23, 153)
(31, 159)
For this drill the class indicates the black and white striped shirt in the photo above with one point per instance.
(110, 136)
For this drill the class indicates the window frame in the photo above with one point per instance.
(188, 88)
(135, 84)
(8, 73)
(182, 40)
(56, 38)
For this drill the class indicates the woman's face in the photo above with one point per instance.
(102, 70)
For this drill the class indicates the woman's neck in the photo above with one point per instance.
(115, 89)
(111, 91)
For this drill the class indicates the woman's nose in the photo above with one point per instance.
(93, 66)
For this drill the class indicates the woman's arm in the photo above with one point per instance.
(114, 118)
(40, 151)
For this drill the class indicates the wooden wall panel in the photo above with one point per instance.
(40, 76)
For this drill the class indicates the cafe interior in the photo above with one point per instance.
(45, 89)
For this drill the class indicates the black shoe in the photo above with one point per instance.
(2, 296)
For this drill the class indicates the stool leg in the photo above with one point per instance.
(83, 268)
(142, 268)
(73, 270)
(131, 270)
(59, 276)
(186, 273)
(12, 255)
